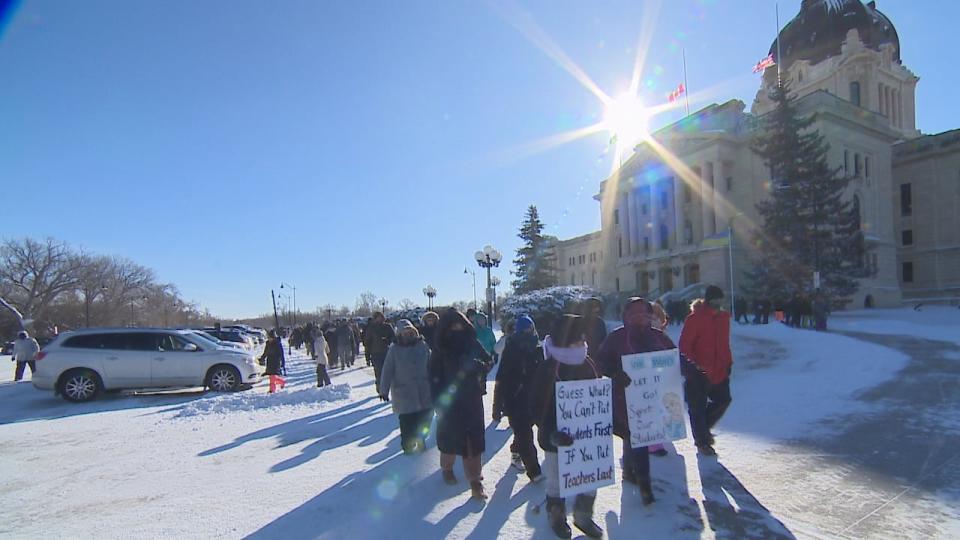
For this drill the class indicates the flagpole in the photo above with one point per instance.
(779, 57)
(686, 86)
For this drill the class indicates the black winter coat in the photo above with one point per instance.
(272, 356)
(544, 395)
(518, 365)
(457, 384)
(378, 338)
(596, 333)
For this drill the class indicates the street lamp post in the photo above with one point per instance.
(430, 292)
(488, 258)
(495, 282)
(294, 289)
(383, 306)
(474, 274)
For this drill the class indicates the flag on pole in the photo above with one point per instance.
(721, 239)
(613, 140)
(764, 64)
(675, 95)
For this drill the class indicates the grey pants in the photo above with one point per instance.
(551, 474)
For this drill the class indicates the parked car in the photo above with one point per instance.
(7, 348)
(233, 336)
(81, 364)
(218, 342)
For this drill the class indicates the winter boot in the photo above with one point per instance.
(476, 490)
(557, 514)
(583, 516)
(646, 492)
(706, 450)
(449, 478)
(516, 462)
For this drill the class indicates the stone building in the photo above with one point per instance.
(682, 209)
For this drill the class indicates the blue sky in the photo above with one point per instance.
(350, 146)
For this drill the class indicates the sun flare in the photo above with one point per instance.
(627, 119)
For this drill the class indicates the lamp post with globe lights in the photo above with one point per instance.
(294, 289)
(488, 258)
(430, 293)
(494, 282)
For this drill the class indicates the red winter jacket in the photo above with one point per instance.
(705, 340)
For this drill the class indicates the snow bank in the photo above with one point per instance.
(930, 322)
(253, 400)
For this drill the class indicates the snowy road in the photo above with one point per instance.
(828, 436)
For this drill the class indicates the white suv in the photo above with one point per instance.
(80, 364)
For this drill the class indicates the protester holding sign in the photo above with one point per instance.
(565, 352)
(518, 365)
(705, 339)
(635, 336)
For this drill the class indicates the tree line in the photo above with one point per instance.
(50, 285)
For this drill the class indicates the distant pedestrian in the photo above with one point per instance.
(595, 325)
(25, 350)
(377, 340)
(273, 359)
(485, 334)
(566, 359)
(344, 345)
(458, 375)
(428, 327)
(740, 307)
(321, 355)
(518, 364)
(405, 374)
(705, 340)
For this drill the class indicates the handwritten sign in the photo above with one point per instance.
(655, 409)
(585, 412)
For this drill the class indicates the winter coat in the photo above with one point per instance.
(596, 333)
(321, 350)
(272, 356)
(25, 349)
(457, 384)
(344, 338)
(705, 340)
(518, 364)
(624, 341)
(378, 338)
(405, 372)
(486, 338)
(429, 334)
(543, 394)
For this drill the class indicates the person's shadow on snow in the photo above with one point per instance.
(750, 519)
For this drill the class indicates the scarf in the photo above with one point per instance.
(571, 356)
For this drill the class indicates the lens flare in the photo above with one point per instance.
(627, 119)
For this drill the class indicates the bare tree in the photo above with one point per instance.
(366, 304)
(406, 304)
(35, 273)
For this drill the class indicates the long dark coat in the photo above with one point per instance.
(518, 364)
(273, 356)
(457, 381)
(543, 395)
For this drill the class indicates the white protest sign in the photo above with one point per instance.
(585, 412)
(655, 410)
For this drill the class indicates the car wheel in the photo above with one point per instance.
(80, 385)
(224, 379)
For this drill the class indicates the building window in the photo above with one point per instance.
(906, 200)
(866, 166)
(729, 183)
(855, 93)
(573, 279)
(664, 237)
(908, 272)
(620, 246)
(646, 243)
(846, 162)
(616, 216)
(687, 193)
(583, 278)
(618, 284)
(593, 278)
(644, 208)
(664, 200)
(687, 232)
(906, 237)
(856, 165)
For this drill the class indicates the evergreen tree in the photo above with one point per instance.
(807, 223)
(534, 265)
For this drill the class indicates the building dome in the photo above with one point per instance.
(818, 31)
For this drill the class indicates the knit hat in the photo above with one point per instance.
(429, 315)
(404, 324)
(713, 293)
(23, 335)
(524, 323)
(636, 306)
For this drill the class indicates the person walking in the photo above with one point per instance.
(518, 364)
(378, 338)
(458, 372)
(637, 335)
(405, 374)
(273, 359)
(565, 359)
(25, 350)
(485, 334)
(705, 340)
(740, 306)
(428, 327)
(321, 355)
(344, 344)
(658, 321)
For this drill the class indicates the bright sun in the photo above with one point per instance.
(626, 118)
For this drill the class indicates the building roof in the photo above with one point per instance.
(819, 30)
(927, 144)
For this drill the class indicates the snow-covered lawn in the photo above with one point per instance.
(326, 463)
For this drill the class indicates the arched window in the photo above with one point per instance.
(855, 93)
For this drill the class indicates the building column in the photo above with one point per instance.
(655, 216)
(626, 222)
(641, 221)
(900, 108)
(677, 213)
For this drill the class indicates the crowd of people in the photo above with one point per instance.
(439, 366)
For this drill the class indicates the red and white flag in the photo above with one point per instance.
(675, 95)
(764, 64)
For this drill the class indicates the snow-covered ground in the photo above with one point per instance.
(326, 463)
